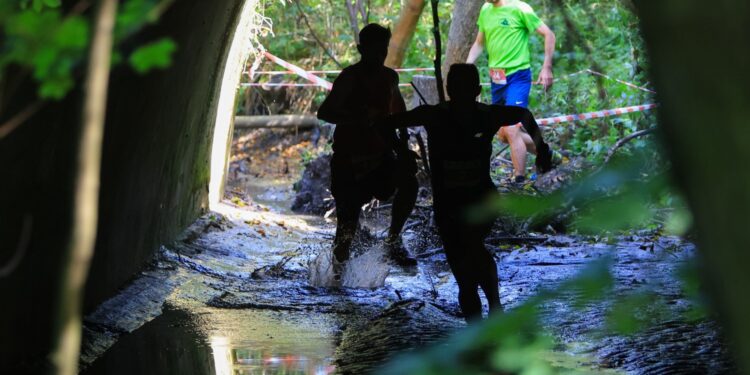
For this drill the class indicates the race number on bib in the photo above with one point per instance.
(498, 76)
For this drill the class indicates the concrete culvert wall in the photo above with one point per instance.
(155, 173)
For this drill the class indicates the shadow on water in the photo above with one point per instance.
(169, 344)
(181, 342)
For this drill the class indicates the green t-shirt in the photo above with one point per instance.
(506, 34)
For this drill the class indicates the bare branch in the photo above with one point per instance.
(77, 258)
(23, 245)
(353, 22)
(21, 117)
(315, 36)
(625, 140)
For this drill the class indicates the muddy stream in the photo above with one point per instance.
(233, 296)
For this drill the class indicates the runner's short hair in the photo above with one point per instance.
(462, 79)
(374, 34)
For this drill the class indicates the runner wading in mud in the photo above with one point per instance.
(459, 136)
(368, 162)
(504, 29)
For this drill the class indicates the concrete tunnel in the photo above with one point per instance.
(164, 155)
(165, 151)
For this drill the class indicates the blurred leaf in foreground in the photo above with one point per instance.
(155, 55)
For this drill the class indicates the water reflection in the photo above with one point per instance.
(222, 342)
(268, 342)
(248, 361)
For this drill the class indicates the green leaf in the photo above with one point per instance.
(155, 55)
(625, 316)
(72, 33)
(55, 88)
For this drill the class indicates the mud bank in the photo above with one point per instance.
(238, 282)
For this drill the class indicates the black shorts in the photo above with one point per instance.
(457, 227)
(355, 181)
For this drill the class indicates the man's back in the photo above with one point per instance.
(460, 143)
(366, 92)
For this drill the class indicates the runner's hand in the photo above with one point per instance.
(546, 78)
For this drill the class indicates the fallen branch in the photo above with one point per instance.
(625, 140)
(218, 303)
(516, 240)
(275, 121)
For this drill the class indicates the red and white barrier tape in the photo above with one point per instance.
(310, 75)
(280, 72)
(597, 114)
(270, 84)
(317, 81)
(286, 84)
(300, 72)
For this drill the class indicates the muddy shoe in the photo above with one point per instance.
(398, 255)
(519, 184)
(337, 271)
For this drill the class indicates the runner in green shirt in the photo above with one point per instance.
(504, 30)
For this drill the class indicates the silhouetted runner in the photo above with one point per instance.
(368, 162)
(459, 137)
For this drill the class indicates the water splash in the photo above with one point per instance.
(366, 270)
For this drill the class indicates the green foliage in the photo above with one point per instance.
(134, 14)
(51, 45)
(38, 5)
(689, 275)
(39, 37)
(601, 35)
(155, 55)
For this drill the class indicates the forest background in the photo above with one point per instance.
(601, 35)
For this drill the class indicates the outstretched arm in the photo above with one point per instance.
(509, 115)
(419, 116)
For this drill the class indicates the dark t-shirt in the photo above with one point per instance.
(360, 94)
(460, 145)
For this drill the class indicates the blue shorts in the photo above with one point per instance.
(515, 92)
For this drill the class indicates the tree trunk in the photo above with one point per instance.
(462, 32)
(704, 107)
(353, 21)
(86, 199)
(403, 32)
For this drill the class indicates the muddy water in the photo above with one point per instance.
(234, 297)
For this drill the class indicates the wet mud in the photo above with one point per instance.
(312, 190)
(247, 265)
(233, 296)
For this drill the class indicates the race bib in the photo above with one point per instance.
(498, 76)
